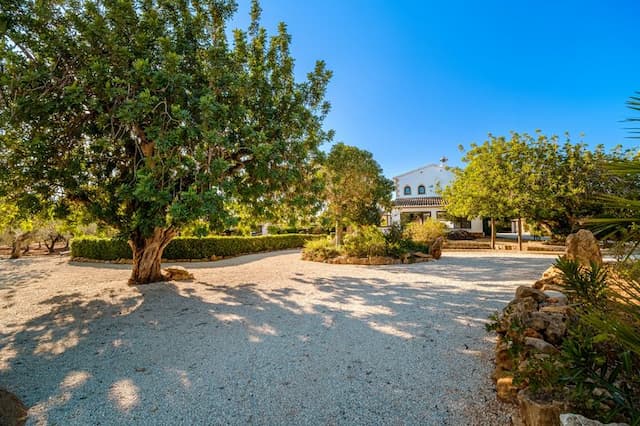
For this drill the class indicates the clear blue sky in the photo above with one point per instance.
(414, 79)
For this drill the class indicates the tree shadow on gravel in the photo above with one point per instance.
(331, 349)
(489, 269)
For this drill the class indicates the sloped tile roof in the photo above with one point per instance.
(418, 202)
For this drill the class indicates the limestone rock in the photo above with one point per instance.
(504, 361)
(435, 250)
(556, 297)
(557, 309)
(177, 273)
(517, 310)
(583, 247)
(556, 330)
(538, 320)
(524, 291)
(532, 332)
(507, 391)
(540, 345)
(421, 254)
(552, 272)
(534, 413)
(569, 419)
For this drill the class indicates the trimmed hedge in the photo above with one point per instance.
(190, 247)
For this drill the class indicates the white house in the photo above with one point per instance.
(417, 198)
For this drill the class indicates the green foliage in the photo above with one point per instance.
(536, 177)
(188, 247)
(321, 249)
(424, 233)
(365, 241)
(100, 248)
(356, 189)
(587, 286)
(145, 113)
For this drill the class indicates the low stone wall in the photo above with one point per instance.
(532, 327)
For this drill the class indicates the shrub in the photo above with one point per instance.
(320, 249)
(189, 247)
(585, 285)
(100, 248)
(424, 233)
(365, 241)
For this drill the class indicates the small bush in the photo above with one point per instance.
(320, 249)
(424, 233)
(585, 285)
(189, 247)
(365, 241)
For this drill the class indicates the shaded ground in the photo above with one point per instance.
(264, 339)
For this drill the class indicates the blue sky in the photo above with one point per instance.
(414, 79)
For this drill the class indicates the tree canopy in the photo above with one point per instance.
(550, 183)
(143, 111)
(356, 189)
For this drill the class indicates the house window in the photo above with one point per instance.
(421, 190)
(407, 190)
(441, 214)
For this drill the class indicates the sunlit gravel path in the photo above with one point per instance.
(261, 339)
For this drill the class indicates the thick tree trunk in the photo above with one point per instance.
(520, 234)
(147, 255)
(493, 234)
(21, 240)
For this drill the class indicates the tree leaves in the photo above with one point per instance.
(144, 112)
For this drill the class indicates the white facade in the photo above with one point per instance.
(417, 196)
(430, 177)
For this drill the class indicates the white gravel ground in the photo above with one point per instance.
(260, 339)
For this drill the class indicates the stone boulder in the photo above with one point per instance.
(519, 311)
(177, 273)
(540, 345)
(524, 291)
(536, 413)
(569, 419)
(556, 297)
(507, 391)
(435, 250)
(583, 247)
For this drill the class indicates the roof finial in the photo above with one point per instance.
(443, 161)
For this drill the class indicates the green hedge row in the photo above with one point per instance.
(190, 247)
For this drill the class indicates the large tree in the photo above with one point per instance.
(530, 176)
(144, 112)
(481, 188)
(356, 189)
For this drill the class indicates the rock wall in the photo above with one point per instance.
(534, 325)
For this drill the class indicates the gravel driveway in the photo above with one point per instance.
(260, 339)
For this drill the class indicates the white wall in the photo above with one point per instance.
(476, 224)
(430, 176)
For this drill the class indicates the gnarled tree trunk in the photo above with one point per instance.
(20, 241)
(147, 255)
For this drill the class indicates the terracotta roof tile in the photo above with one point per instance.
(418, 202)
